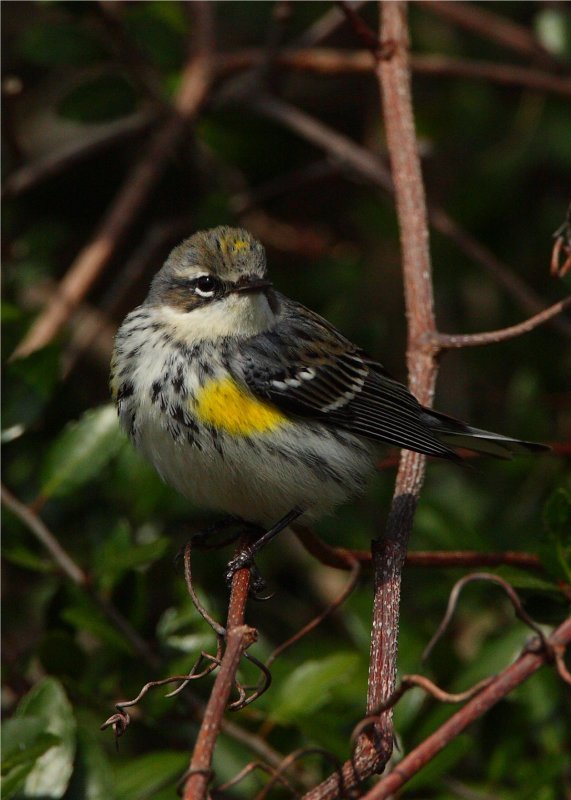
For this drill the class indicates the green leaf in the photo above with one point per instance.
(118, 554)
(51, 774)
(160, 35)
(143, 777)
(28, 385)
(521, 579)
(557, 513)
(555, 551)
(441, 763)
(92, 776)
(105, 98)
(59, 43)
(12, 783)
(24, 557)
(81, 451)
(87, 618)
(310, 686)
(24, 740)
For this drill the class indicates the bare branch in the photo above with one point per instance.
(93, 259)
(492, 26)
(328, 61)
(76, 574)
(448, 341)
(238, 638)
(389, 552)
(61, 159)
(453, 600)
(325, 25)
(342, 558)
(500, 686)
(355, 568)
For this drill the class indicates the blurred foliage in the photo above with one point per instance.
(498, 159)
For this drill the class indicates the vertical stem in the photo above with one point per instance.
(389, 552)
(238, 638)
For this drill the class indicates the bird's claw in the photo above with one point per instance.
(245, 559)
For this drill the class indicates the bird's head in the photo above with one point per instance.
(214, 284)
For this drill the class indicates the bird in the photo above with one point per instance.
(252, 405)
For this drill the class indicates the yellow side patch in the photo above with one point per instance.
(227, 407)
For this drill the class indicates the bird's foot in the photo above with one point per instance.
(245, 559)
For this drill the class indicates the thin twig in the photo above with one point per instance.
(500, 686)
(409, 682)
(63, 158)
(448, 341)
(453, 600)
(368, 38)
(121, 719)
(342, 558)
(135, 191)
(292, 758)
(238, 638)
(493, 26)
(355, 568)
(218, 629)
(325, 25)
(248, 770)
(77, 575)
(329, 61)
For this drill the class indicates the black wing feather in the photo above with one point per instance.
(305, 367)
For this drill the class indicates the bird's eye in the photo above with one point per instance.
(206, 285)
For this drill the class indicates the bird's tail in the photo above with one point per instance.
(455, 433)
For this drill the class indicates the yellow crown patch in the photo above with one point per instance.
(233, 245)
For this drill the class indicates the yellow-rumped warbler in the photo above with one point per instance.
(249, 403)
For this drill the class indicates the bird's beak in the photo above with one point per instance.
(251, 283)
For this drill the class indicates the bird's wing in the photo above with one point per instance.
(305, 367)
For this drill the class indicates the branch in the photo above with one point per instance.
(343, 558)
(61, 159)
(448, 341)
(329, 61)
(75, 574)
(492, 26)
(238, 638)
(93, 259)
(500, 686)
(389, 552)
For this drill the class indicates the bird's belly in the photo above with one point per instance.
(258, 477)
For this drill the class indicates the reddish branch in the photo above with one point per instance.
(238, 638)
(448, 341)
(343, 558)
(95, 257)
(328, 61)
(499, 687)
(389, 551)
